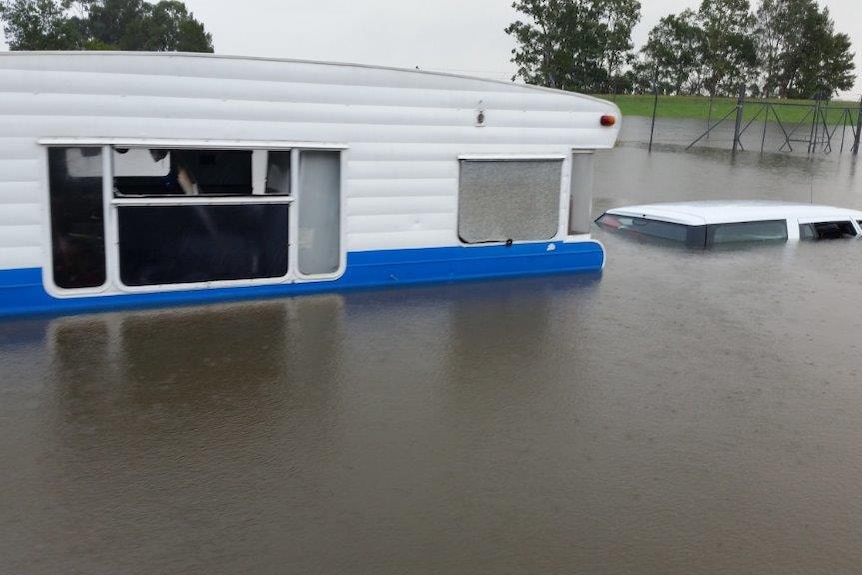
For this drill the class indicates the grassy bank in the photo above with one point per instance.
(697, 107)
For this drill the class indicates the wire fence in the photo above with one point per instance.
(816, 126)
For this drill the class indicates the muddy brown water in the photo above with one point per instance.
(683, 412)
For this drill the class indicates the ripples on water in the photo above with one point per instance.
(684, 412)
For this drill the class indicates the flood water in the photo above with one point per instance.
(683, 412)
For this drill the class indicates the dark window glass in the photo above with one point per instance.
(188, 172)
(768, 231)
(692, 236)
(187, 244)
(827, 231)
(77, 217)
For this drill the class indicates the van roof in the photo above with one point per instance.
(718, 212)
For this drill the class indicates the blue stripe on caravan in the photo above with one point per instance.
(22, 292)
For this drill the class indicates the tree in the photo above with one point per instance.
(103, 25)
(174, 29)
(729, 52)
(617, 18)
(573, 44)
(40, 24)
(770, 37)
(641, 76)
(802, 55)
(673, 50)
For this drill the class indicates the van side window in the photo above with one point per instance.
(827, 230)
(767, 231)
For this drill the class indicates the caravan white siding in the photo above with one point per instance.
(403, 130)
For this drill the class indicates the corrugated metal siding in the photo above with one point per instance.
(405, 129)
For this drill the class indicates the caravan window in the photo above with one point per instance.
(194, 216)
(278, 173)
(319, 213)
(161, 172)
(202, 243)
(501, 200)
(210, 223)
(77, 217)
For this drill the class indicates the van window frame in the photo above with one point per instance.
(711, 230)
(112, 203)
(857, 228)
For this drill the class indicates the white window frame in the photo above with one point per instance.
(48, 239)
(295, 160)
(563, 210)
(825, 220)
(111, 204)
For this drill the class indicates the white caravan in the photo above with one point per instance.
(138, 179)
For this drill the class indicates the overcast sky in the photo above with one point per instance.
(454, 35)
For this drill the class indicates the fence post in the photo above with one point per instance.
(845, 118)
(812, 137)
(858, 129)
(740, 104)
(654, 107)
(709, 116)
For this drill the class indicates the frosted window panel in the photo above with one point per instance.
(515, 200)
(319, 213)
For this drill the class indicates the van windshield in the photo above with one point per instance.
(691, 236)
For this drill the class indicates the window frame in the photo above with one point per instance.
(111, 204)
(711, 229)
(48, 280)
(256, 180)
(564, 197)
(827, 220)
(692, 241)
(293, 215)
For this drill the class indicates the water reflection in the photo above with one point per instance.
(200, 361)
(665, 416)
(630, 175)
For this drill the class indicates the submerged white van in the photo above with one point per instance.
(707, 223)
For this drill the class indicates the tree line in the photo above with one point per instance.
(135, 25)
(783, 48)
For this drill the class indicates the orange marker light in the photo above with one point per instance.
(608, 120)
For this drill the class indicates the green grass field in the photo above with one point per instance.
(697, 107)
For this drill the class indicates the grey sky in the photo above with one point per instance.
(454, 35)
